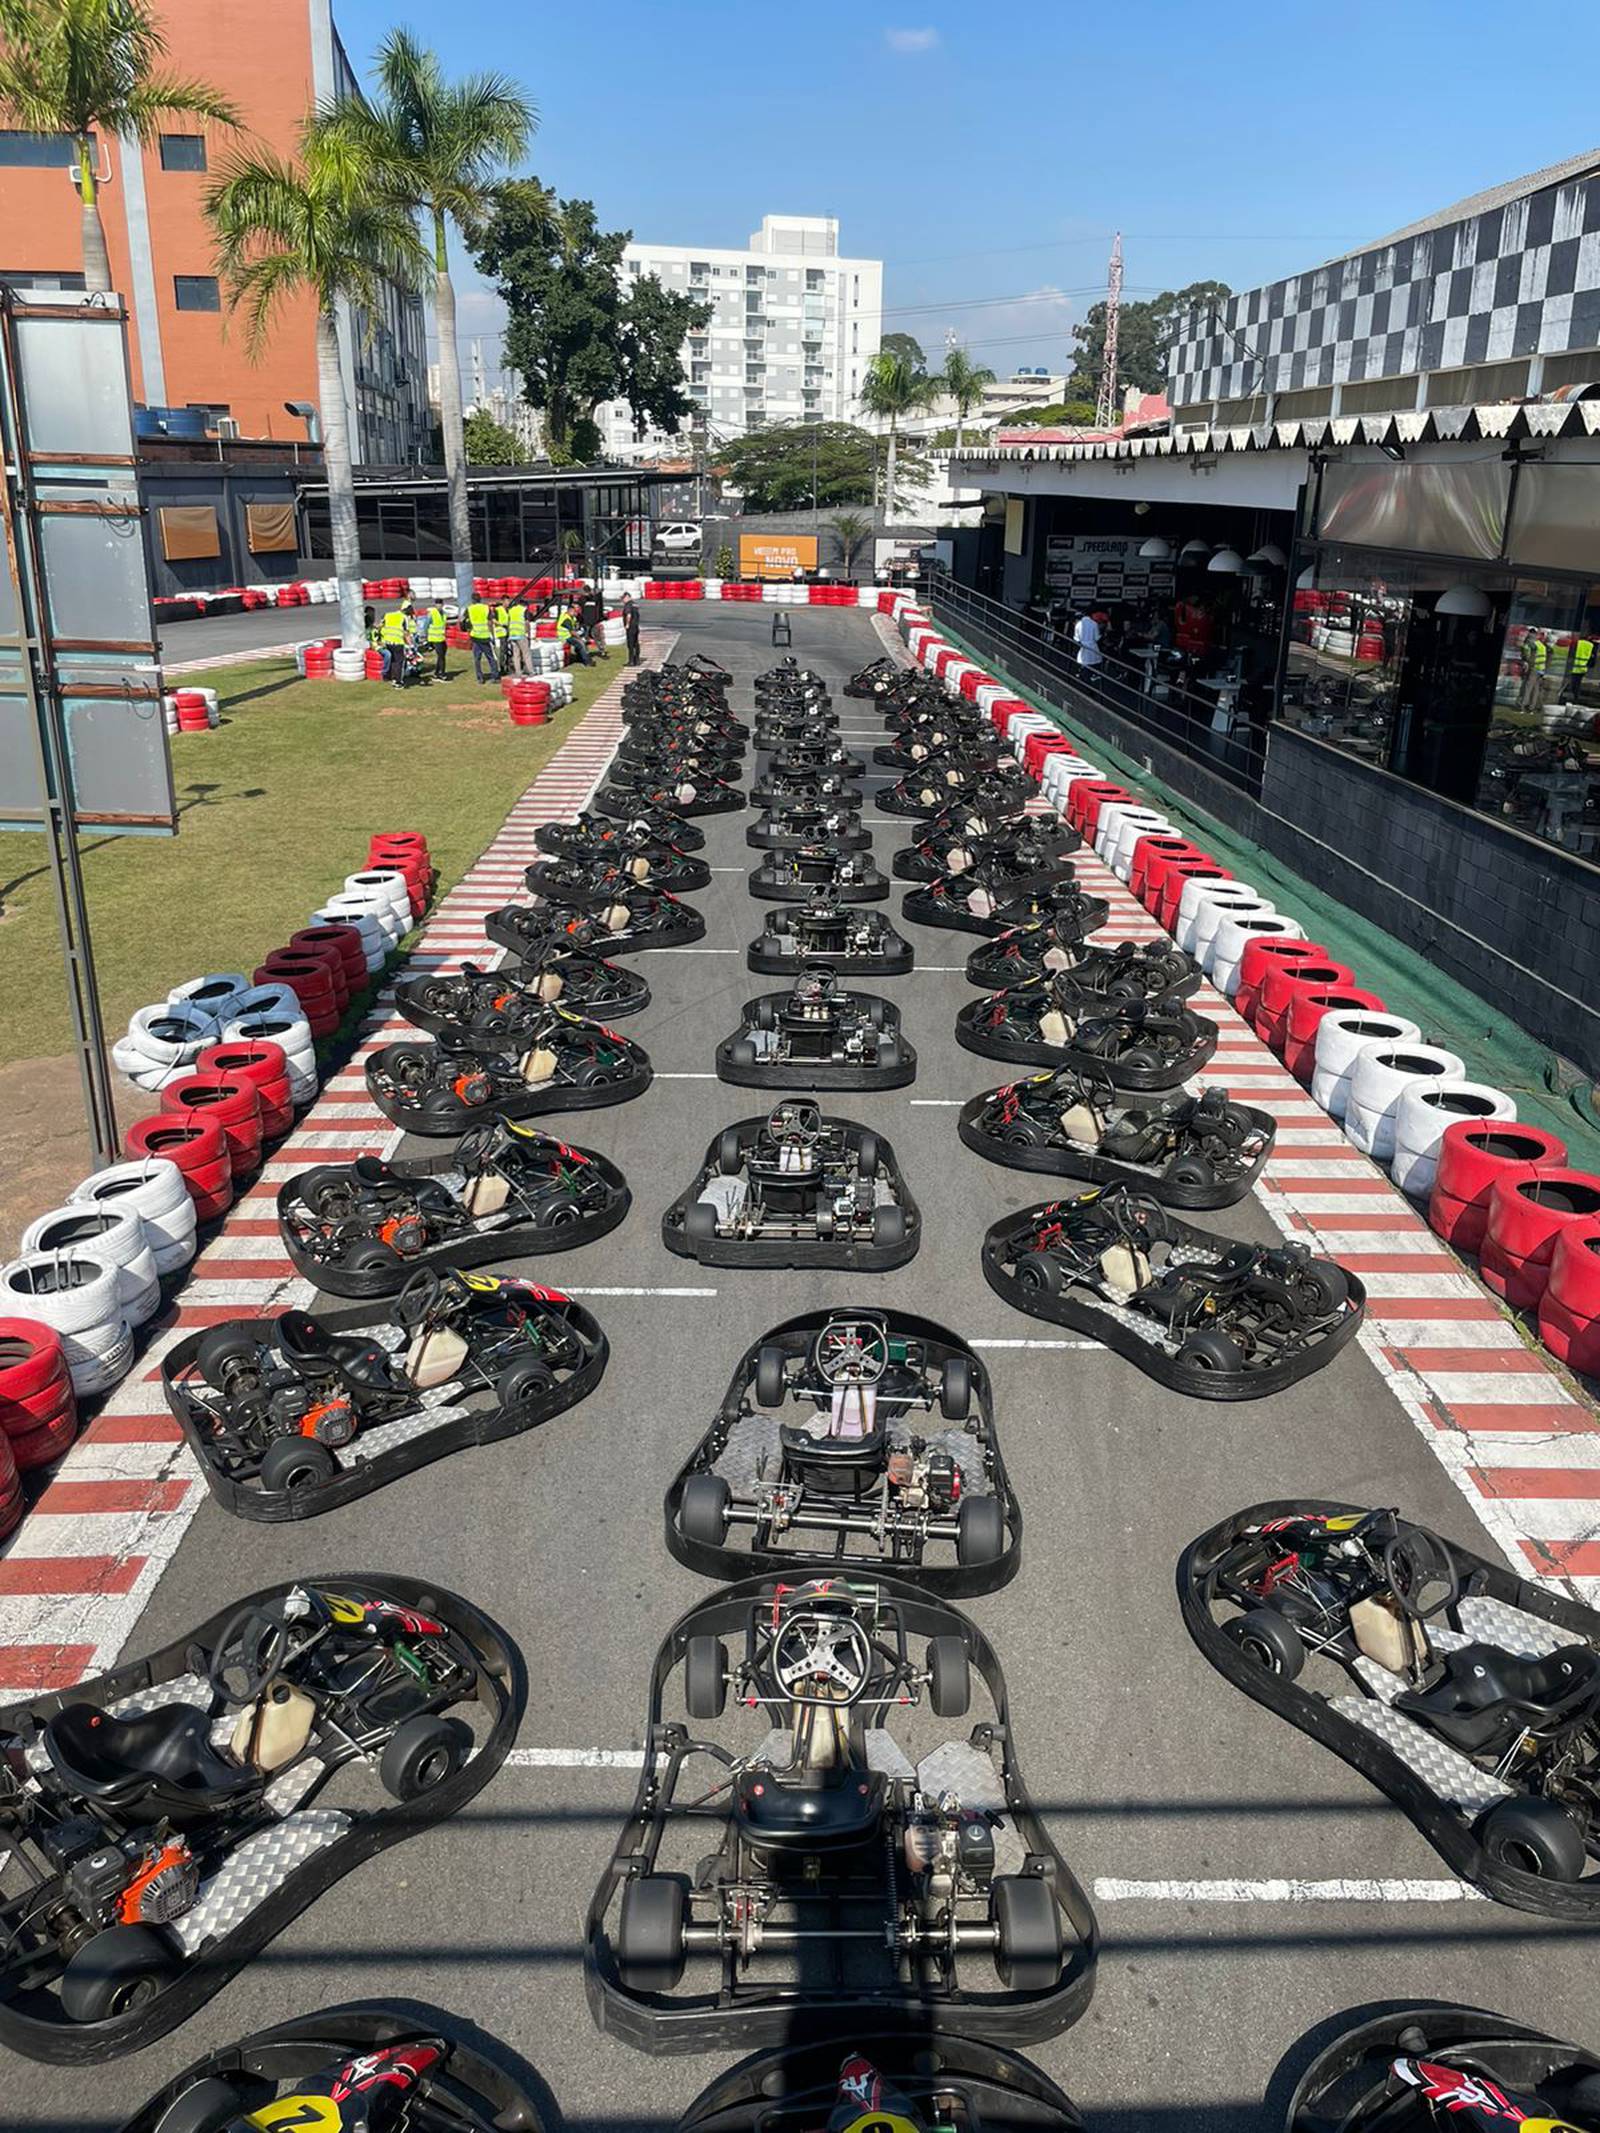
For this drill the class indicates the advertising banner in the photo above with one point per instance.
(776, 555)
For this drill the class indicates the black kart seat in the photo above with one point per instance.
(372, 1170)
(1484, 1694)
(312, 1351)
(842, 1805)
(167, 1750)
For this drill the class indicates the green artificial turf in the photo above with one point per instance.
(275, 808)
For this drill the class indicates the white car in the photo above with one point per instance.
(678, 537)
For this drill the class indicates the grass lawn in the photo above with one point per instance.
(275, 809)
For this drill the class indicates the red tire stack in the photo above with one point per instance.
(193, 716)
(234, 1102)
(406, 852)
(1569, 1309)
(1260, 959)
(1309, 1000)
(196, 1144)
(317, 981)
(345, 941)
(529, 703)
(319, 662)
(372, 665)
(1154, 850)
(262, 1063)
(1476, 1156)
(1179, 873)
(1285, 983)
(38, 1413)
(1526, 1217)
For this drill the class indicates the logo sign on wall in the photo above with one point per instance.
(1088, 568)
(776, 555)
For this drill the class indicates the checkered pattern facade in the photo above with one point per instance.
(1520, 279)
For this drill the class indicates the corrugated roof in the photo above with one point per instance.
(1481, 203)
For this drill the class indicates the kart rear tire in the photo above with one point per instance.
(877, 1011)
(867, 1155)
(705, 1677)
(730, 1156)
(371, 1256)
(1194, 1172)
(421, 1753)
(700, 1222)
(766, 1014)
(1029, 1947)
(741, 1053)
(649, 1946)
(980, 1531)
(1269, 1639)
(219, 1346)
(955, 1388)
(295, 1464)
(1328, 1286)
(315, 1187)
(115, 1971)
(889, 1227)
(949, 1677)
(770, 1379)
(1535, 1836)
(526, 1379)
(1211, 1350)
(703, 1510)
(1039, 1274)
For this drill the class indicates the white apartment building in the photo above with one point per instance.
(793, 327)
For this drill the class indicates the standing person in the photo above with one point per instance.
(590, 613)
(1087, 638)
(392, 642)
(1534, 655)
(438, 630)
(480, 628)
(630, 628)
(517, 637)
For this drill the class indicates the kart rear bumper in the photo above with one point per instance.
(1065, 1161)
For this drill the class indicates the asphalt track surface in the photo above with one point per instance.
(1149, 1768)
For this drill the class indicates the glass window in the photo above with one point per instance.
(505, 525)
(318, 527)
(183, 151)
(397, 521)
(37, 151)
(433, 525)
(196, 292)
(1541, 764)
(369, 530)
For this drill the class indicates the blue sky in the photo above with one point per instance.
(987, 154)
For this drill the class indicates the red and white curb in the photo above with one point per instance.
(80, 1569)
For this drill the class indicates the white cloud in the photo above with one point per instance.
(911, 40)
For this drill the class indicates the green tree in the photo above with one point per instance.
(775, 468)
(963, 381)
(452, 140)
(892, 389)
(902, 344)
(1144, 334)
(490, 443)
(82, 67)
(1063, 415)
(850, 529)
(576, 338)
(332, 222)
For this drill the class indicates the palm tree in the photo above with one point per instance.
(850, 529)
(336, 224)
(964, 381)
(82, 67)
(893, 386)
(453, 140)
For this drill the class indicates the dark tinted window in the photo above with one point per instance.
(196, 292)
(39, 151)
(183, 151)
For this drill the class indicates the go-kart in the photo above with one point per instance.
(504, 1191)
(795, 1189)
(784, 721)
(779, 790)
(925, 791)
(819, 1847)
(817, 1037)
(821, 755)
(639, 851)
(629, 787)
(899, 2083)
(848, 938)
(967, 899)
(550, 962)
(1195, 1311)
(789, 677)
(1425, 2069)
(167, 1819)
(365, 2069)
(1051, 898)
(1467, 1694)
(565, 1064)
(594, 836)
(881, 678)
(851, 1440)
(1121, 970)
(788, 830)
(1138, 1044)
(630, 916)
(815, 870)
(935, 746)
(953, 843)
(1185, 1151)
(292, 1415)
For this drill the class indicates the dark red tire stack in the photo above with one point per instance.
(197, 1145)
(373, 663)
(38, 1410)
(345, 941)
(1475, 1156)
(1179, 872)
(1151, 856)
(1282, 985)
(193, 716)
(1526, 1216)
(263, 1063)
(1309, 999)
(1569, 1309)
(311, 979)
(529, 703)
(1266, 955)
(406, 852)
(234, 1103)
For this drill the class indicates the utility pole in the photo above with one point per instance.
(1108, 406)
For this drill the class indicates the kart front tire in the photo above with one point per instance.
(297, 1463)
(116, 1971)
(955, 1388)
(700, 1222)
(1536, 1837)
(730, 1155)
(650, 1943)
(867, 1155)
(421, 1753)
(705, 1677)
(771, 1381)
(1269, 1639)
(1039, 1274)
(949, 1677)
(1211, 1350)
(1196, 1173)
(741, 1053)
(526, 1379)
(980, 1531)
(1028, 1944)
(703, 1510)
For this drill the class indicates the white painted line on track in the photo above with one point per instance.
(936, 1103)
(575, 1759)
(1035, 1344)
(695, 951)
(1108, 1888)
(638, 1292)
(658, 1076)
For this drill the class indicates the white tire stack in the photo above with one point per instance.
(1425, 1109)
(161, 1043)
(213, 995)
(1189, 904)
(279, 1024)
(349, 666)
(1228, 898)
(1381, 1075)
(347, 910)
(79, 1298)
(1342, 1037)
(1240, 926)
(113, 1237)
(153, 1189)
(386, 885)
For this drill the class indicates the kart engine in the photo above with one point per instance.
(135, 1880)
(948, 1847)
(924, 1479)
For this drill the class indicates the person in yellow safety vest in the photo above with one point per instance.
(1578, 667)
(570, 637)
(1534, 658)
(438, 630)
(516, 659)
(480, 628)
(392, 639)
(498, 626)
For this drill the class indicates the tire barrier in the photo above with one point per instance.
(112, 1237)
(1380, 1077)
(1156, 847)
(1241, 927)
(1473, 1159)
(310, 978)
(212, 995)
(383, 883)
(1266, 954)
(1343, 1035)
(346, 943)
(1310, 1000)
(1425, 1110)
(78, 1298)
(266, 1065)
(1177, 877)
(1126, 826)
(1569, 1309)
(234, 1103)
(342, 911)
(38, 1408)
(287, 1028)
(1526, 1215)
(1208, 900)
(154, 1190)
(161, 1043)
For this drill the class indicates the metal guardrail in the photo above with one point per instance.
(1211, 729)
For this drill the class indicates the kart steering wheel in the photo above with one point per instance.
(798, 1122)
(416, 1303)
(1421, 1571)
(476, 1146)
(815, 1653)
(852, 1351)
(251, 1649)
